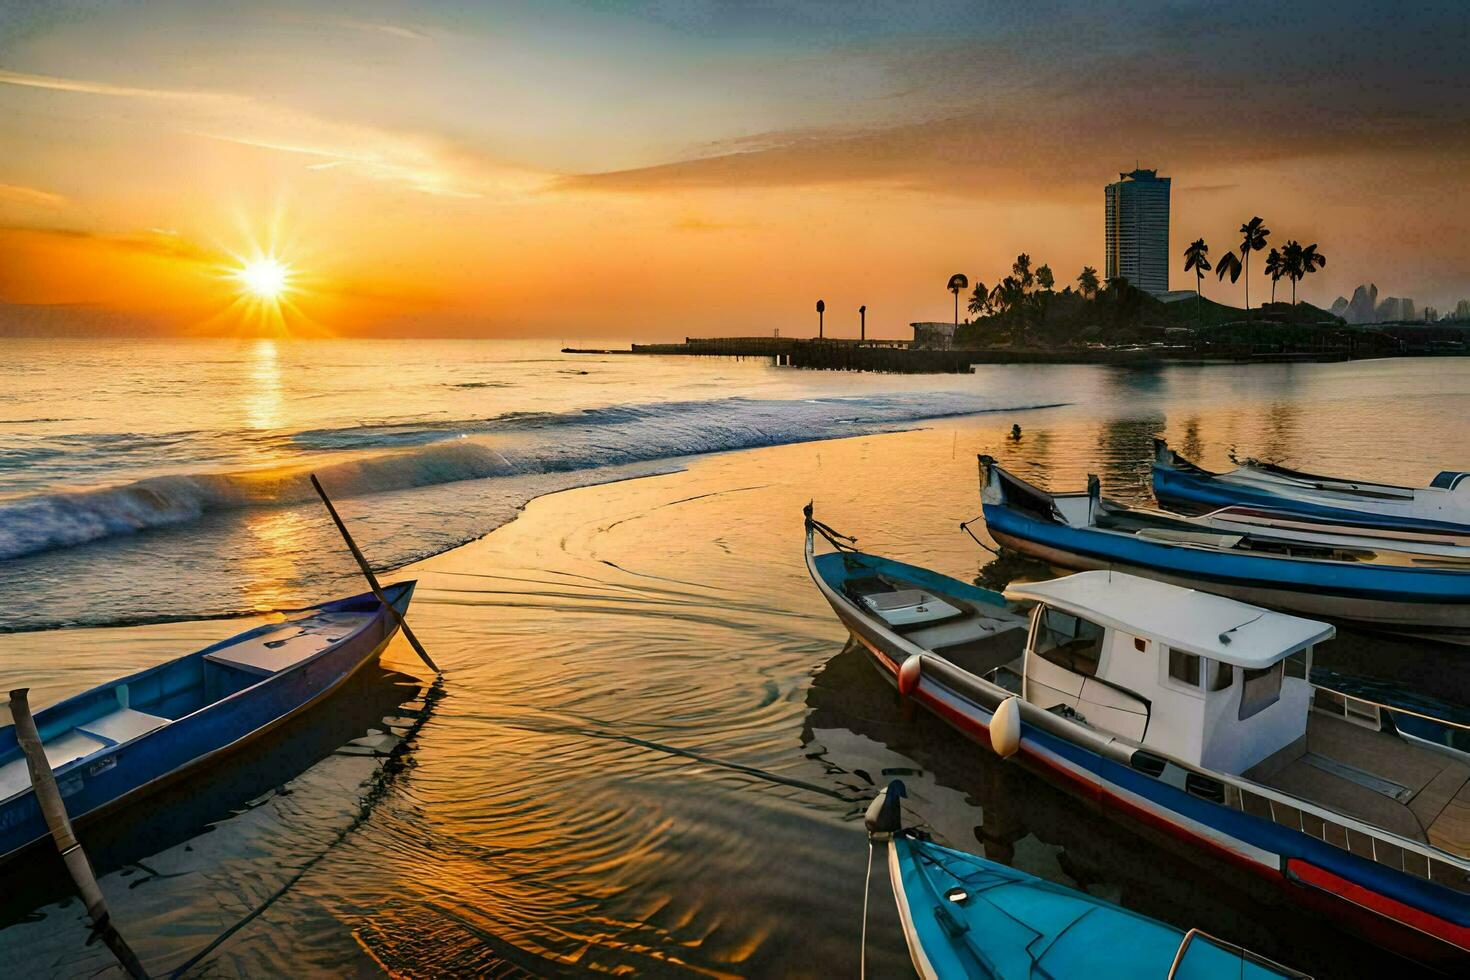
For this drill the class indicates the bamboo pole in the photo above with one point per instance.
(48, 795)
(372, 579)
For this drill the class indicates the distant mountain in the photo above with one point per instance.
(1396, 308)
(1364, 307)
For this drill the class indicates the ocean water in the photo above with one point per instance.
(146, 480)
(651, 746)
(122, 463)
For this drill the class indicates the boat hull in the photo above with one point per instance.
(1413, 602)
(1419, 919)
(133, 770)
(1196, 492)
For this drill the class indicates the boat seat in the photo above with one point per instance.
(909, 607)
(290, 643)
(67, 747)
(122, 725)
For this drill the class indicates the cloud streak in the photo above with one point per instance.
(18, 194)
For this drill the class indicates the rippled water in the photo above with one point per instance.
(650, 748)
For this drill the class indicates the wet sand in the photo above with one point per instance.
(650, 751)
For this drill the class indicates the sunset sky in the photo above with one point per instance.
(574, 170)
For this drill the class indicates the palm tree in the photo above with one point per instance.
(1312, 260)
(1291, 266)
(1253, 239)
(1275, 269)
(1228, 265)
(1006, 295)
(1021, 269)
(1298, 262)
(1196, 257)
(1087, 281)
(957, 282)
(821, 309)
(979, 299)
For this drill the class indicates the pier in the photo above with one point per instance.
(901, 357)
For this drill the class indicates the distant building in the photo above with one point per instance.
(1138, 230)
(933, 334)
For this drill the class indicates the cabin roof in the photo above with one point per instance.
(1181, 618)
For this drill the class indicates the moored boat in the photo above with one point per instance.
(1190, 715)
(113, 744)
(1396, 591)
(964, 916)
(1443, 505)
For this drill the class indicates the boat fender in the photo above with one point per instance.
(908, 675)
(1005, 727)
(885, 813)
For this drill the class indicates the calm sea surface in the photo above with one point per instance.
(650, 748)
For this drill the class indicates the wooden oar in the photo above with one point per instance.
(372, 579)
(43, 781)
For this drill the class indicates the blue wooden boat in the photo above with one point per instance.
(964, 916)
(1402, 592)
(1189, 716)
(1444, 505)
(115, 743)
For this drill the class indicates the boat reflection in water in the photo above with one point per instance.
(209, 853)
(962, 793)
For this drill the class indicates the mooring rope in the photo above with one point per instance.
(863, 947)
(965, 526)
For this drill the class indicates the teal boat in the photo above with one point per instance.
(964, 916)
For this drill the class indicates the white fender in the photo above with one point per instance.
(908, 675)
(1005, 727)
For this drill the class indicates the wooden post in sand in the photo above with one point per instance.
(43, 781)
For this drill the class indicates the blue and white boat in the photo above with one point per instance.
(1395, 591)
(1190, 716)
(1443, 506)
(964, 916)
(115, 743)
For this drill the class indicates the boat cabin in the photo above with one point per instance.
(1210, 681)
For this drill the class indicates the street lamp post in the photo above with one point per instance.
(863, 322)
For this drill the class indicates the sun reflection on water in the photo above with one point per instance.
(263, 401)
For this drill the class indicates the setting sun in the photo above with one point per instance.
(265, 278)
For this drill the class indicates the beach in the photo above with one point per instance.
(650, 750)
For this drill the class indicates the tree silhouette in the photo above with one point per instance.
(1275, 269)
(1299, 261)
(1087, 281)
(1312, 260)
(979, 299)
(1196, 257)
(821, 309)
(1044, 278)
(1021, 270)
(1252, 239)
(1228, 265)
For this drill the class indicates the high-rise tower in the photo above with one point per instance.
(1138, 230)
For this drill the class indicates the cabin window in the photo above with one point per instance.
(1262, 689)
(1069, 641)
(1221, 675)
(1184, 667)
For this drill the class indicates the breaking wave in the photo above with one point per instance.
(401, 456)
